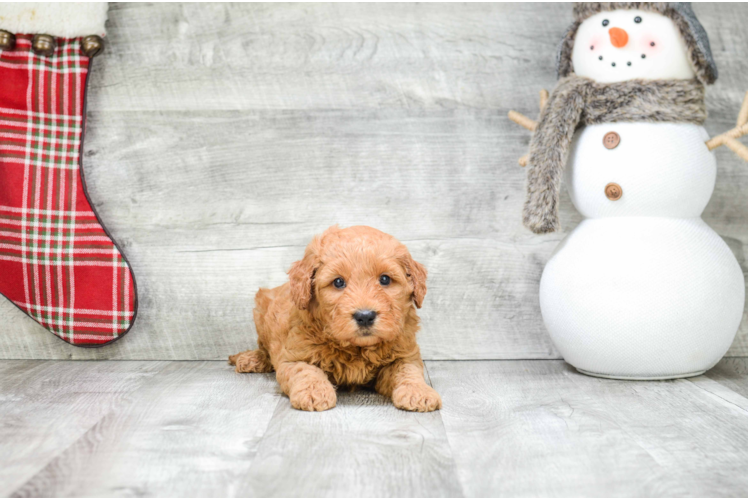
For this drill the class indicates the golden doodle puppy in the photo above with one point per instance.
(347, 317)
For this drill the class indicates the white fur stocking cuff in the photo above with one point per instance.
(66, 20)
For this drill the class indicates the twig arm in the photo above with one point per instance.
(730, 137)
(737, 148)
(722, 139)
(543, 99)
(528, 123)
(743, 115)
(523, 121)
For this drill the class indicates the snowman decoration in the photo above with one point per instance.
(642, 288)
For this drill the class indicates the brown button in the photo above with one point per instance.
(613, 191)
(611, 140)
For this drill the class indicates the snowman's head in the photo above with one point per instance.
(625, 44)
(614, 42)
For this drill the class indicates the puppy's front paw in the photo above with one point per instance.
(419, 397)
(251, 362)
(318, 396)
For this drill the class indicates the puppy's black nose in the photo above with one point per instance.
(365, 317)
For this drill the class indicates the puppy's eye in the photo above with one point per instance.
(605, 22)
(385, 280)
(637, 19)
(338, 283)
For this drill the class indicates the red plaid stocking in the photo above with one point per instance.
(57, 263)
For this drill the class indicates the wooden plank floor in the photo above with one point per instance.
(508, 428)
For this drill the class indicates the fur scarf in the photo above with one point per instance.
(580, 101)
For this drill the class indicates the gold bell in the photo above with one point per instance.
(7, 40)
(44, 45)
(92, 45)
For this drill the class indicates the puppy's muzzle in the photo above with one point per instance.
(364, 317)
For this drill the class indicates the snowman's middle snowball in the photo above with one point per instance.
(656, 180)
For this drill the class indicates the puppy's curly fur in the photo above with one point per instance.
(307, 333)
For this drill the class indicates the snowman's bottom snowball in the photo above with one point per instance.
(642, 297)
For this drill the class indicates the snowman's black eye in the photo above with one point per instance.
(605, 22)
(637, 19)
(651, 44)
(339, 283)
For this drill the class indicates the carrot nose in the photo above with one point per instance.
(618, 37)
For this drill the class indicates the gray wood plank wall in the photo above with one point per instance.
(222, 137)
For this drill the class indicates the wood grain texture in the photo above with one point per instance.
(221, 137)
(508, 428)
(539, 428)
(47, 406)
(192, 431)
(364, 447)
(199, 429)
(731, 373)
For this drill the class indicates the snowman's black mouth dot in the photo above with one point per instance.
(613, 64)
(651, 44)
(628, 63)
(644, 56)
(601, 58)
(592, 47)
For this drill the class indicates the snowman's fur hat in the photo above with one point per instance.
(696, 39)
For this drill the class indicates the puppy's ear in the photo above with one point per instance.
(301, 275)
(417, 276)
